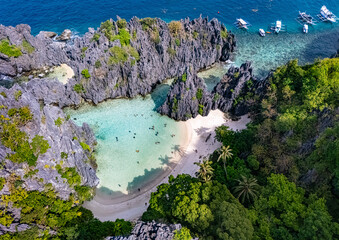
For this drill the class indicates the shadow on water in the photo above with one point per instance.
(323, 46)
(148, 176)
(104, 192)
(159, 95)
(165, 159)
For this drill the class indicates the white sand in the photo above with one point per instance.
(62, 73)
(198, 129)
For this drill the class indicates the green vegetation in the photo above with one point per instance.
(184, 77)
(195, 35)
(59, 121)
(27, 47)
(283, 187)
(64, 155)
(177, 42)
(85, 146)
(175, 28)
(84, 49)
(96, 37)
(201, 109)
(9, 50)
(147, 23)
(123, 36)
(98, 64)
(107, 29)
(85, 73)
(3, 94)
(122, 23)
(17, 95)
(79, 88)
(122, 55)
(199, 94)
(2, 183)
(71, 174)
(183, 234)
(171, 52)
(224, 33)
(13, 138)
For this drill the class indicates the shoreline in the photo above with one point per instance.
(194, 147)
(146, 186)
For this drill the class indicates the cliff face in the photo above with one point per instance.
(153, 52)
(189, 98)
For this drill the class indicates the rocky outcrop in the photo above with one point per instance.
(230, 86)
(65, 35)
(187, 98)
(64, 139)
(159, 53)
(151, 231)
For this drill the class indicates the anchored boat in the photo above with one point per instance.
(241, 23)
(326, 15)
(262, 32)
(278, 27)
(305, 18)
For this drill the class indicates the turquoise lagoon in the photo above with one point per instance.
(130, 154)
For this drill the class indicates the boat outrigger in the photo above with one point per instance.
(305, 18)
(278, 27)
(305, 28)
(326, 15)
(262, 32)
(241, 23)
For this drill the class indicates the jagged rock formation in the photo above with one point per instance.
(187, 98)
(229, 95)
(151, 231)
(65, 138)
(160, 54)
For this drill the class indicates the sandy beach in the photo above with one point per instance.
(193, 148)
(62, 73)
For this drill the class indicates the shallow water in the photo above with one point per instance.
(122, 127)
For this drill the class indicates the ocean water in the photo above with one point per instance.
(130, 153)
(121, 169)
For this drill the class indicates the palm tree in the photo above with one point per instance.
(247, 189)
(205, 171)
(225, 153)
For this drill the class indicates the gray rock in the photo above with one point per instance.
(48, 34)
(150, 231)
(65, 35)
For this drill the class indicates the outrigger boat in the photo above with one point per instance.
(278, 27)
(241, 23)
(326, 15)
(262, 32)
(305, 18)
(305, 28)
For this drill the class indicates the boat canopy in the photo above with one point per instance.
(243, 22)
(278, 24)
(325, 10)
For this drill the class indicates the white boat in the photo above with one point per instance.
(277, 26)
(305, 28)
(262, 32)
(306, 18)
(241, 23)
(327, 14)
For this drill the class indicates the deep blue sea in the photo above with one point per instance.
(56, 15)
